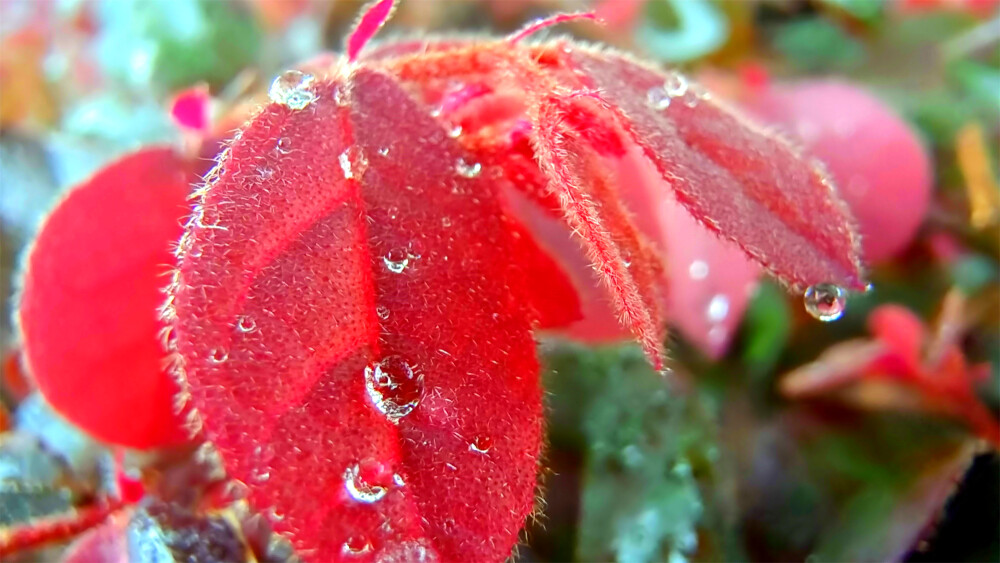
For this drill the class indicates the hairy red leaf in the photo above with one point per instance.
(734, 177)
(352, 322)
(92, 285)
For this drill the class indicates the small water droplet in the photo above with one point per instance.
(359, 488)
(290, 89)
(717, 308)
(384, 151)
(675, 85)
(698, 270)
(467, 170)
(219, 355)
(393, 387)
(283, 146)
(455, 131)
(398, 479)
(352, 163)
(393, 212)
(246, 324)
(396, 260)
(657, 98)
(446, 222)
(825, 301)
(382, 311)
(481, 444)
(355, 546)
(265, 172)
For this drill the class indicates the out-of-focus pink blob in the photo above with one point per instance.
(709, 280)
(191, 109)
(879, 164)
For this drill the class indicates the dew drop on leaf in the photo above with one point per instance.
(676, 85)
(455, 131)
(481, 444)
(246, 324)
(283, 146)
(352, 163)
(219, 355)
(393, 387)
(356, 546)
(657, 98)
(359, 488)
(467, 170)
(291, 89)
(825, 301)
(396, 260)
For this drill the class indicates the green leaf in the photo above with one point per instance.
(651, 461)
(766, 328)
(816, 45)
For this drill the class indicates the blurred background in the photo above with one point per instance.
(782, 438)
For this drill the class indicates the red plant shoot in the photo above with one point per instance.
(352, 315)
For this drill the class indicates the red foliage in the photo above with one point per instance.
(883, 170)
(904, 356)
(357, 288)
(92, 285)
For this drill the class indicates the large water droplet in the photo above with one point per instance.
(467, 170)
(481, 444)
(658, 98)
(291, 89)
(359, 488)
(825, 301)
(393, 387)
(396, 260)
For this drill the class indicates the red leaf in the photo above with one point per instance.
(91, 288)
(882, 169)
(750, 187)
(306, 299)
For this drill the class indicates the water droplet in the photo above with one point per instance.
(290, 89)
(393, 387)
(657, 98)
(396, 260)
(675, 85)
(393, 212)
(384, 151)
(698, 270)
(246, 324)
(481, 444)
(455, 131)
(352, 163)
(359, 488)
(382, 311)
(398, 480)
(717, 308)
(467, 170)
(356, 545)
(446, 222)
(283, 146)
(219, 355)
(825, 301)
